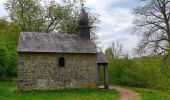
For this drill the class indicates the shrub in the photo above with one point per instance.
(3, 66)
(8, 63)
(140, 72)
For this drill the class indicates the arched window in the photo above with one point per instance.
(61, 62)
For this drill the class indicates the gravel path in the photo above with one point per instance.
(126, 94)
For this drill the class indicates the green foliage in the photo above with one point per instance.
(125, 72)
(7, 93)
(166, 68)
(3, 59)
(33, 15)
(143, 72)
(108, 53)
(9, 34)
(115, 51)
(152, 94)
(26, 14)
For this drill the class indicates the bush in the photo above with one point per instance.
(3, 63)
(140, 72)
(12, 66)
(8, 63)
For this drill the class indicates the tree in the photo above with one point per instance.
(27, 14)
(53, 15)
(152, 21)
(108, 53)
(9, 34)
(114, 51)
(31, 15)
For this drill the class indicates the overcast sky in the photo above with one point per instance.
(116, 21)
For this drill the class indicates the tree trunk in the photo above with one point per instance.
(169, 38)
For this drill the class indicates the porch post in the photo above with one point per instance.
(98, 75)
(106, 80)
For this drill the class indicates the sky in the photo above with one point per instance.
(116, 22)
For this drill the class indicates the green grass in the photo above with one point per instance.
(7, 93)
(147, 94)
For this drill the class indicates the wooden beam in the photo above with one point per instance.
(106, 79)
(98, 75)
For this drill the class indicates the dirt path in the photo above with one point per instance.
(126, 94)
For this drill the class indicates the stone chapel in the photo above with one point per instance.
(52, 61)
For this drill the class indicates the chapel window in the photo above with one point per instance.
(61, 62)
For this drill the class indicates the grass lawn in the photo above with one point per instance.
(147, 94)
(7, 93)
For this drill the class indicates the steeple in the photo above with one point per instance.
(83, 24)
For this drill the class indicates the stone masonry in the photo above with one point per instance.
(41, 71)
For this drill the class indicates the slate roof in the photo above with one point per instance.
(101, 58)
(54, 43)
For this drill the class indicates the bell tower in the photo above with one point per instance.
(84, 24)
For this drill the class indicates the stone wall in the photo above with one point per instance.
(42, 71)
